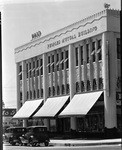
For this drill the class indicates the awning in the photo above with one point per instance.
(28, 109)
(81, 104)
(52, 107)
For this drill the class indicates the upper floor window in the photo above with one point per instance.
(77, 87)
(87, 52)
(99, 44)
(118, 49)
(76, 55)
(93, 51)
(81, 48)
(41, 66)
(94, 84)
(27, 69)
(66, 59)
(88, 85)
(82, 86)
(57, 62)
(52, 63)
(62, 60)
(49, 64)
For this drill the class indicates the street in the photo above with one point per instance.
(42, 147)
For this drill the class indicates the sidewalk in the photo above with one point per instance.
(81, 142)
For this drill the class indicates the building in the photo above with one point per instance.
(70, 79)
(7, 114)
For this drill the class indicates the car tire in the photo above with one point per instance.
(46, 143)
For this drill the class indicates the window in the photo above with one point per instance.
(66, 58)
(100, 83)
(81, 48)
(58, 90)
(77, 87)
(76, 55)
(20, 68)
(53, 90)
(67, 88)
(62, 60)
(63, 89)
(30, 94)
(94, 84)
(52, 63)
(57, 62)
(87, 52)
(41, 92)
(93, 51)
(20, 95)
(99, 50)
(38, 93)
(27, 70)
(49, 64)
(34, 94)
(118, 49)
(27, 95)
(49, 90)
(99, 44)
(88, 85)
(82, 86)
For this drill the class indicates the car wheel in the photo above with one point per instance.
(46, 143)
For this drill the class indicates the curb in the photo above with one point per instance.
(86, 144)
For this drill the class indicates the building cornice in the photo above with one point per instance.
(70, 28)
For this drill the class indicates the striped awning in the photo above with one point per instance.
(81, 104)
(28, 109)
(52, 107)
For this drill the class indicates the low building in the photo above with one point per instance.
(70, 79)
(7, 114)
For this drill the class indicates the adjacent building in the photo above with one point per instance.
(70, 79)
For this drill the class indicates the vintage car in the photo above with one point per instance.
(13, 133)
(35, 135)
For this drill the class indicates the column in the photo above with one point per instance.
(60, 73)
(109, 81)
(84, 66)
(18, 87)
(45, 91)
(32, 79)
(97, 64)
(72, 80)
(91, 65)
(40, 79)
(28, 80)
(24, 88)
(55, 72)
(79, 66)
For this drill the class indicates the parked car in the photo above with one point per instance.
(13, 133)
(35, 135)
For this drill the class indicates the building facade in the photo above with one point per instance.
(7, 114)
(78, 66)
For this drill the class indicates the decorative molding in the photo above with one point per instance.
(56, 35)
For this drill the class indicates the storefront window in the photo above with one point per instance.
(52, 125)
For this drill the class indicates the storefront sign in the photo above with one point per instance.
(9, 112)
(72, 37)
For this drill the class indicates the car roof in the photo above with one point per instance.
(37, 127)
(16, 128)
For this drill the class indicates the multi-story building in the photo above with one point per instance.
(70, 79)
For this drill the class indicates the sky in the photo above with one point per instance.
(22, 18)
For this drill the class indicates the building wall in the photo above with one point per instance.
(76, 59)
